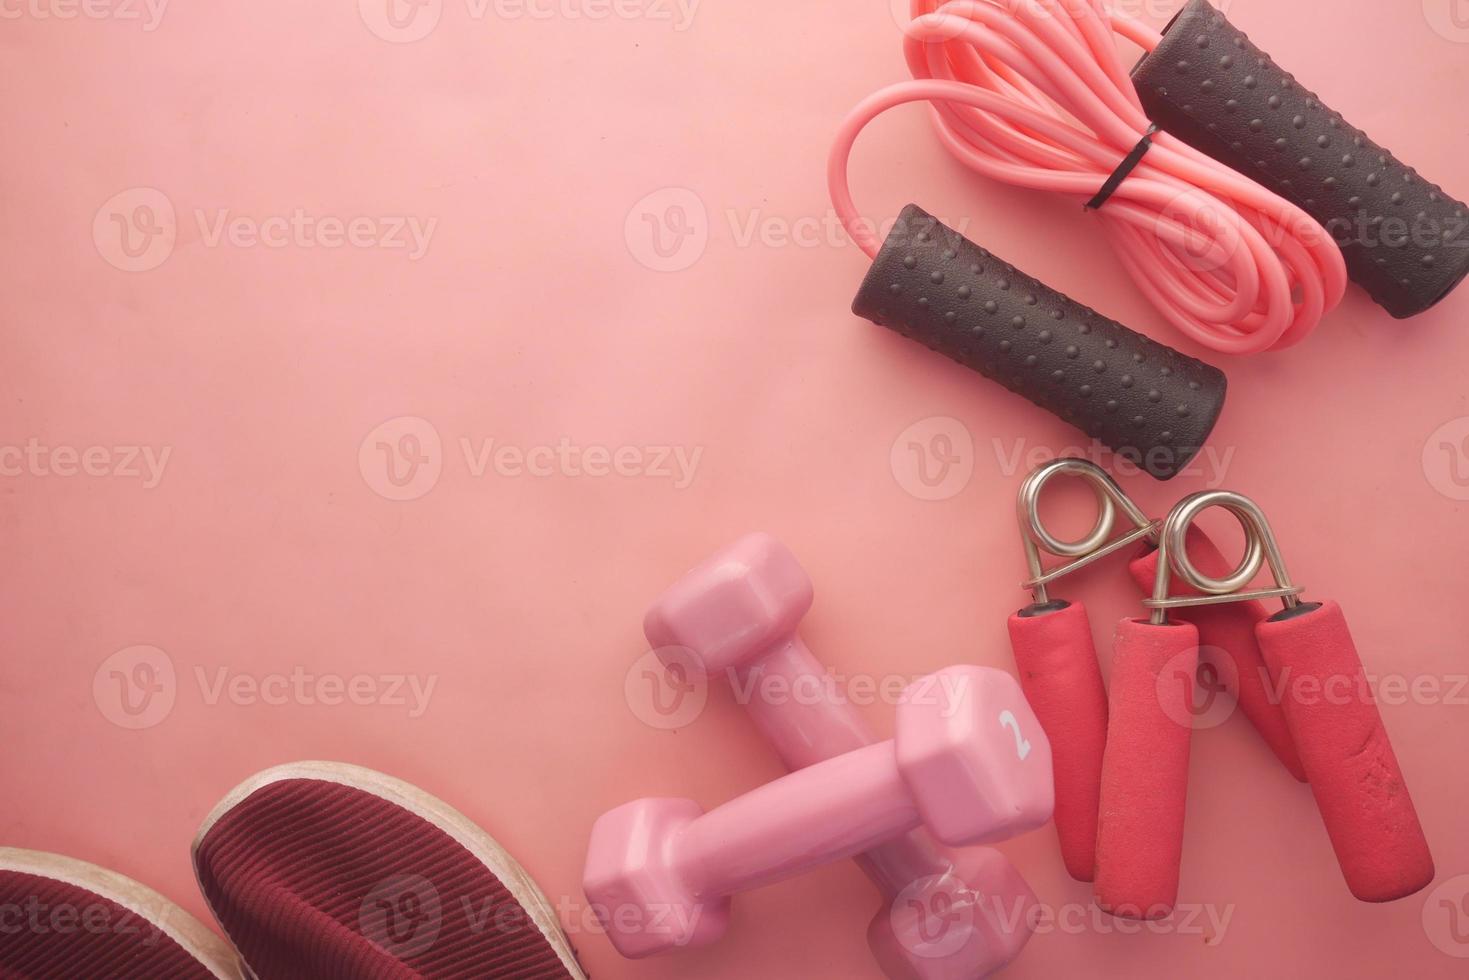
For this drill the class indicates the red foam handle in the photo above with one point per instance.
(1349, 761)
(1145, 771)
(1061, 680)
(1227, 631)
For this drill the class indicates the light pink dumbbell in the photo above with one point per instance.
(969, 762)
(955, 916)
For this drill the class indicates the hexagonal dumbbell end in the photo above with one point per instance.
(739, 603)
(974, 756)
(635, 893)
(966, 923)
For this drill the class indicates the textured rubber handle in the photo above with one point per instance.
(1405, 241)
(1349, 761)
(1060, 677)
(1145, 771)
(1148, 402)
(1229, 630)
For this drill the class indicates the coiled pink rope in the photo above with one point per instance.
(1034, 93)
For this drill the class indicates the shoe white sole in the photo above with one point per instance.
(197, 939)
(464, 831)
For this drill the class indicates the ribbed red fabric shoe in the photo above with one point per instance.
(62, 919)
(322, 871)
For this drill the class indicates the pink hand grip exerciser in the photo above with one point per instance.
(736, 615)
(1052, 640)
(969, 762)
(1333, 717)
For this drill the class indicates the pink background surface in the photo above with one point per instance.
(534, 317)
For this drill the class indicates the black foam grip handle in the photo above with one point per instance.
(1148, 402)
(1405, 241)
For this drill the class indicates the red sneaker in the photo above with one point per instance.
(331, 872)
(62, 919)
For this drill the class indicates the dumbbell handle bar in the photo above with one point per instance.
(831, 810)
(808, 730)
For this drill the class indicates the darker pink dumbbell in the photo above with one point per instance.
(947, 915)
(969, 762)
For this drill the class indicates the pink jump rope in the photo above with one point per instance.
(1237, 200)
(1034, 93)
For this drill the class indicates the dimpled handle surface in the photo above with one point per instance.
(1146, 401)
(1405, 241)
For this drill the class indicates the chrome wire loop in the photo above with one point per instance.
(1095, 544)
(1261, 549)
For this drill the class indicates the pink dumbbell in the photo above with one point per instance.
(946, 915)
(969, 762)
